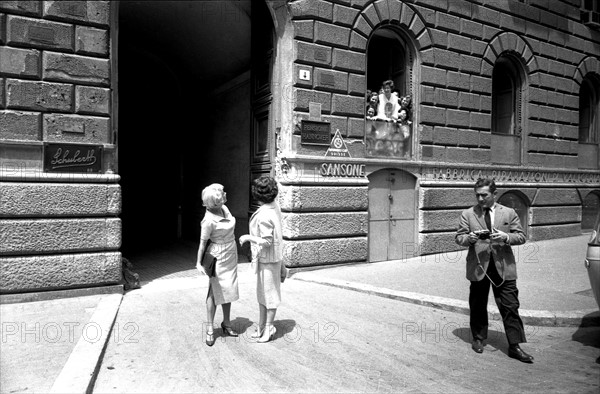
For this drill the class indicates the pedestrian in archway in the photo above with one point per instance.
(218, 225)
(267, 254)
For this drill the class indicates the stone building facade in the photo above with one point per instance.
(468, 65)
(58, 229)
(504, 89)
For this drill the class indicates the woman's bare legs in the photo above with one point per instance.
(226, 314)
(210, 317)
(269, 328)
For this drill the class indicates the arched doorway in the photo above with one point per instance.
(589, 211)
(392, 207)
(184, 121)
(517, 201)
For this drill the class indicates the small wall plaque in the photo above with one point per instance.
(315, 133)
(59, 157)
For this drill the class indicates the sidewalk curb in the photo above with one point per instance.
(530, 317)
(79, 372)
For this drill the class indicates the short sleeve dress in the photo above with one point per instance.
(220, 230)
(266, 224)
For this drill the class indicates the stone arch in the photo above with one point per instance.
(507, 41)
(587, 65)
(590, 208)
(382, 12)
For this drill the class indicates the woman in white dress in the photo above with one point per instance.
(267, 254)
(388, 102)
(218, 225)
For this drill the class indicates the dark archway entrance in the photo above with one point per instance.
(184, 121)
(518, 202)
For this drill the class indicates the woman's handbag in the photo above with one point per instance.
(208, 261)
(284, 272)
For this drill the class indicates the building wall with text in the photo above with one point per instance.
(58, 214)
(457, 131)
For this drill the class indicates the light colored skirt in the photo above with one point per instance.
(268, 284)
(224, 284)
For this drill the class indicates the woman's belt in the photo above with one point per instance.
(223, 242)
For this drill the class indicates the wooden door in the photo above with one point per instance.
(391, 215)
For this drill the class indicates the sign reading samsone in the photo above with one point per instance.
(60, 157)
(466, 174)
(315, 133)
(343, 170)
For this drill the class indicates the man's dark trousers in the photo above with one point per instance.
(507, 300)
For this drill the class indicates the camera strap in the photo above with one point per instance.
(484, 271)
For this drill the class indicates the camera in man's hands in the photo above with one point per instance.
(483, 234)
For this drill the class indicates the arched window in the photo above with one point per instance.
(507, 87)
(389, 115)
(589, 211)
(518, 202)
(588, 122)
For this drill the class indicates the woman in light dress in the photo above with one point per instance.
(218, 225)
(267, 254)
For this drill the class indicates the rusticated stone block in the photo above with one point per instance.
(331, 80)
(304, 29)
(91, 40)
(39, 33)
(92, 100)
(32, 236)
(538, 233)
(316, 225)
(97, 12)
(318, 9)
(25, 7)
(52, 272)
(77, 69)
(312, 53)
(439, 220)
(357, 84)
(349, 60)
(75, 128)
(303, 98)
(331, 34)
(19, 62)
(547, 196)
(347, 105)
(430, 243)
(324, 251)
(2, 95)
(18, 125)
(446, 197)
(38, 96)
(555, 215)
(344, 15)
(2, 28)
(323, 198)
(59, 199)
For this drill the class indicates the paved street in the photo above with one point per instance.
(329, 340)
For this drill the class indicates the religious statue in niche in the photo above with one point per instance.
(388, 123)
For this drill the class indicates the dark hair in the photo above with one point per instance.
(389, 83)
(264, 189)
(483, 182)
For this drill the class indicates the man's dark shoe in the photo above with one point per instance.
(477, 346)
(515, 351)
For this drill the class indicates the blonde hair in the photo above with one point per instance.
(211, 194)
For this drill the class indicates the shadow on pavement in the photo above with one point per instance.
(496, 338)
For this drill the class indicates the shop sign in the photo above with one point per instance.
(524, 176)
(338, 147)
(60, 157)
(315, 133)
(348, 170)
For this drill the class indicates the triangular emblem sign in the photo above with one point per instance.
(338, 147)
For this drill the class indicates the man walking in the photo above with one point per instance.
(489, 229)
